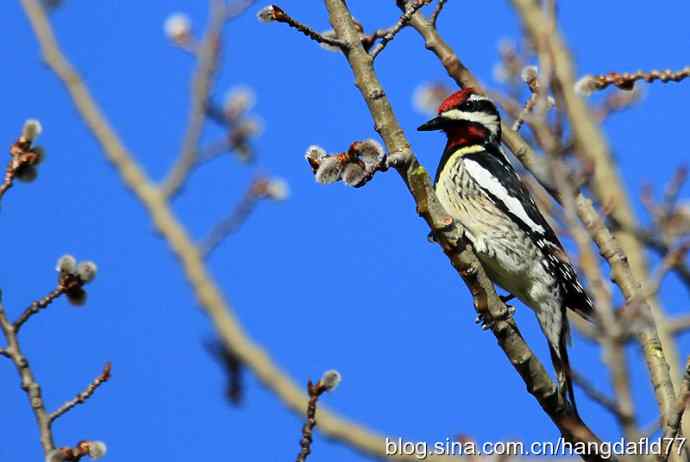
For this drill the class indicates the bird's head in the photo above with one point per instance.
(467, 118)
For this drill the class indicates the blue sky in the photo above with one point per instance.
(332, 278)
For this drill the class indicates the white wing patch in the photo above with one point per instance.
(489, 182)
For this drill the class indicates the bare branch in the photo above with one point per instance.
(673, 419)
(460, 253)
(70, 282)
(680, 325)
(328, 382)
(437, 12)
(238, 216)
(410, 8)
(202, 80)
(207, 293)
(84, 395)
(23, 157)
(597, 396)
(607, 186)
(651, 240)
(626, 80)
(38, 305)
(29, 385)
(277, 14)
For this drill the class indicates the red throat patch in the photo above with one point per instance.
(466, 135)
(456, 99)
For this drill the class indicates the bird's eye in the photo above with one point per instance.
(468, 106)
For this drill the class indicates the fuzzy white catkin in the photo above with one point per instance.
(177, 26)
(252, 126)
(315, 152)
(278, 189)
(87, 271)
(585, 86)
(266, 14)
(32, 128)
(331, 379)
(97, 449)
(239, 99)
(529, 73)
(425, 99)
(353, 174)
(66, 264)
(329, 171)
(370, 152)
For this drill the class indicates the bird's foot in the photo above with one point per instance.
(485, 323)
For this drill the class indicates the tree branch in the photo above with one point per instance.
(673, 420)
(449, 236)
(84, 395)
(437, 12)
(626, 80)
(38, 305)
(607, 186)
(409, 8)
(202, 81)
(31, 387)
(205, 289)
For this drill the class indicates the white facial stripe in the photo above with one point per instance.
(490, 121)
(478, 98)
(490, 183)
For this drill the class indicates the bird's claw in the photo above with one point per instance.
(485, 323)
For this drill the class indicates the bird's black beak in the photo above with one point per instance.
(437, 123)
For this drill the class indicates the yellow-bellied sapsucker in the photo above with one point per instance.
(478, 187)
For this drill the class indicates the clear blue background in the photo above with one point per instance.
(332, 278)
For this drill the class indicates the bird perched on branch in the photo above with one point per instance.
(478, 186)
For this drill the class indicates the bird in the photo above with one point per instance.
(479, 187)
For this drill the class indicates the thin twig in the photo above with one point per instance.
(679, 325)
(315, 391)
(207, 54)
(597, 396)
(626, 80)
(608, 188)
(410, 9)
(22, 155)
(277, 14)
(437, 12)
(38, 305)
(609, 327)
(31, 387)
(84, 395)
(206, 290)
(673, 190)
(460, 253)
(231, 223)
(527, 108)
(651, 240)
